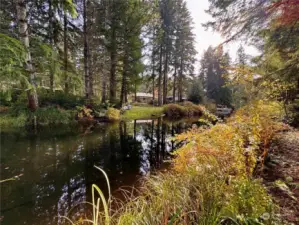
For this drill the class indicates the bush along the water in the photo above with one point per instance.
(20, 116)
(211, 181)
(187, 109)
(113, 114)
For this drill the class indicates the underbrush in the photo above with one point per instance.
(113, 114)
(66, 101)
(7, 120)
(211, 181)
(142, 112)
(188, 109)
(20, 116)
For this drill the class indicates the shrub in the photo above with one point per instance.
(67, 101)
(52, 115)
(192, 110)
(173, 111)
(7, 120)
(9, 97)
(233, 147)
(113, 114)
(187, 109)
(4, 109)
(211, 106)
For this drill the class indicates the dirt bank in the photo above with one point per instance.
(281, 174)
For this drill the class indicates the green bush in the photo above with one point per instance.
(52, 115)
(7, 120)
(113, 114)
(8, 97)
(67, 101)
(20, 117)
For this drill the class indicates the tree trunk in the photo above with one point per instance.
(124, 76)
(153, 75)
(86, 52)
(180, 81)
(165, 78)
(65, 54)
(174, 84)
(113, 65)
(24, 36)
(89, 20)
(51, 40)
(160, 76)
(104, 86)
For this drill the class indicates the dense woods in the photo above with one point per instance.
(98, 49)
(107, 51)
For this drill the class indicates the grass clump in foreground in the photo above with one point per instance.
(212, 177)
(142, 112)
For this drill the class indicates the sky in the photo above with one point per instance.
(206, 38)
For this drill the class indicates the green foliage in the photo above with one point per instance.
(113, 114)
(196, 92)
(52, 115)
(248, 199)
(21, 116)
(67, 101)
(7, 120)
(12, 57)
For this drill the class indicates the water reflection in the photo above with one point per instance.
(57, 165)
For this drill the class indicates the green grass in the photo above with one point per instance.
(142, 112)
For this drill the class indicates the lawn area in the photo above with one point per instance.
(142, 112)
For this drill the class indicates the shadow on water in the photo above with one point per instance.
(57, 165)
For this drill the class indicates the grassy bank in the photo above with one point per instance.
(171, 111)
(211, 181)
(142, 112)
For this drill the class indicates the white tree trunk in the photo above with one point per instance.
(21, 6)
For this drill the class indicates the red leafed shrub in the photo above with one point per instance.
(288, 11)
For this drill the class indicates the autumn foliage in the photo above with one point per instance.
(288, 11)
(234, 148)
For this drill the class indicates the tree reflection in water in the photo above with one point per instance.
(57, 165)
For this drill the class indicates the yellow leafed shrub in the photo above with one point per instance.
(233, 147)
(113, 114)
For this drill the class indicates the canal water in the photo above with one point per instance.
(56, 165)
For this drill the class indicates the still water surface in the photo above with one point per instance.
(57, 165)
